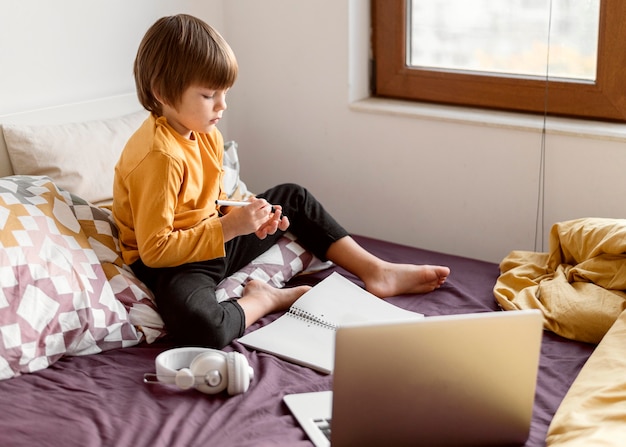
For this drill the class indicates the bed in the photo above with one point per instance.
(73, 375)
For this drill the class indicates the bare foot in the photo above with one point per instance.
(260, 299)
(397, 279)
(280, 299)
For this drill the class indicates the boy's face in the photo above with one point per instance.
(199, 110)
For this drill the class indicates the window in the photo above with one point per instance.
(436, 62)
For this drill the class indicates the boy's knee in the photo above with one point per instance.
(292, 188)
(212, 331)
(195, 318)
(289, 193)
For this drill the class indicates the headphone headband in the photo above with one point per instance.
(169, 362)
(208, 370)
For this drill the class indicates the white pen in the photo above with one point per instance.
(231, 203)
(234, 203)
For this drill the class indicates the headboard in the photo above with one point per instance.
(98, 109)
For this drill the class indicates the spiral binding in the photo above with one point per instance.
(310, 318)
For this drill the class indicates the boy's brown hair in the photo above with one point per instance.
(177, 52)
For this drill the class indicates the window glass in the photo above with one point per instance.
(494, 54)
(505, 37)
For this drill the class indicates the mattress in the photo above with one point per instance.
(102, 399)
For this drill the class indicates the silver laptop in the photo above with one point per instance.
(446, 380)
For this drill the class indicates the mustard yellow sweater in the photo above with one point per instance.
(164, 196)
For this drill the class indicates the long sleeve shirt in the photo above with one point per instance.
(164, 196)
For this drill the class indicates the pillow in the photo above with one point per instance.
(78, 157)
(284, 260)
(99, 228)
(234, 187)
(56, 298)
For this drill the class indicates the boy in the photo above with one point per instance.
(169, 177)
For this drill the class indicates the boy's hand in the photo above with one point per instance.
(257, 217)
(275, 222)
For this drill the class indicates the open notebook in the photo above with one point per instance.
(306, 333)
(446, 380)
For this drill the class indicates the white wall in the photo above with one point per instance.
(460, 187)
(54, 52)
(464, 187)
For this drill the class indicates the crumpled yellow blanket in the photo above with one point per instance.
(579, 285)
(593, 412)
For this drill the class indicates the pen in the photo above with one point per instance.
(233, 203)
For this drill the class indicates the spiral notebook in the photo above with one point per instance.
(305, 334)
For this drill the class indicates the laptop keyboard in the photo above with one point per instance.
(324, 426)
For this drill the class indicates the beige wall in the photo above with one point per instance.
(62, 51)
(444, 179)
(448, 180)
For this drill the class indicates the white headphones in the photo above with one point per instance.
(208, 370)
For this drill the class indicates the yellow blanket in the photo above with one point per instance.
(579, 285)
(593, 413)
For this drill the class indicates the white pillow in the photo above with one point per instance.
(234, 187)
(79, 157)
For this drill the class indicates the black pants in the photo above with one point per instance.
(185, 295)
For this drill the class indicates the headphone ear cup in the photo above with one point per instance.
(239, 373)
(184, 379)
(210, 371)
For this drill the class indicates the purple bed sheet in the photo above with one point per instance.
(101, 400)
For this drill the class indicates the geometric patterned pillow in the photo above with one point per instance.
(284, 260)
(55, 296)
(101, 231)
